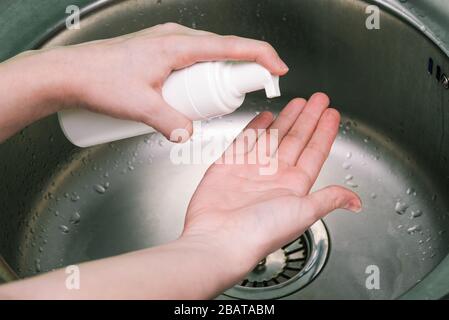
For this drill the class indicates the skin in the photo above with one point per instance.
(121, 76)
(236, 216)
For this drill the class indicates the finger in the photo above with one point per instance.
(287, 117)
(173, 125)
(319, 203)
(174, 28)
(246, 140)
(301, 131)
(319, 146)
(216, 47)
(248, 137)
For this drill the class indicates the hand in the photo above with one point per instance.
(235, 218)
(123, 76)
(249, 215)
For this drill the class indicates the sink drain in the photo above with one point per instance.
(288, 269)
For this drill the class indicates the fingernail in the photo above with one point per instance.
(181, 135)
(353, 205)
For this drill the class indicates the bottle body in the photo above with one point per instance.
(203, 90)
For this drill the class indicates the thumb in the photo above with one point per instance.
(172, 124)
(323, 201)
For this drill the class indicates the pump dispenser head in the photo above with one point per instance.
(247, 77)
(211, 89)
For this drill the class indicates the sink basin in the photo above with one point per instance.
(61, 205)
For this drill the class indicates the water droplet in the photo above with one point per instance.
(373, 195)
(106, 185)
(410, 190)
(64, 228)
(41, 249)
(75, 197)
(99, 189)
(367, 140)
(349, 177)
(349, 155)
(414, 229)
(56, 213)
(400, 207)
(351, 184)
(75, 218)
(416, 213)
(399, 226)
(346, 165)
(37, 265)
(131, 168)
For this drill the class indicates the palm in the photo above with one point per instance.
(235, 201)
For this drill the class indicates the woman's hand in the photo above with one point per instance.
(248, 215)
(121, 77)
(235, 218)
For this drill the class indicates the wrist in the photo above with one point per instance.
(46, 74)
(228, 260)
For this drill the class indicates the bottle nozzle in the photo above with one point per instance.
(272, 87)
(250, 76)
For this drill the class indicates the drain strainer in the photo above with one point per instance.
(288, 269)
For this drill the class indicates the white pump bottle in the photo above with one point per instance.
(203, 90)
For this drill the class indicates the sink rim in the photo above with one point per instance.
(441, 273)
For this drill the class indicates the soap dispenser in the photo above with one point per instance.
(201, 91)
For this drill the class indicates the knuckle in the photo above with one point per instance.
(265, 46)
(336, 202)
(316, 149)
(171, 45)
(169, 26)
(293, 137)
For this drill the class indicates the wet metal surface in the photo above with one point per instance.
(62, 205)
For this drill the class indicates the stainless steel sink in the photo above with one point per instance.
(61, 205)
